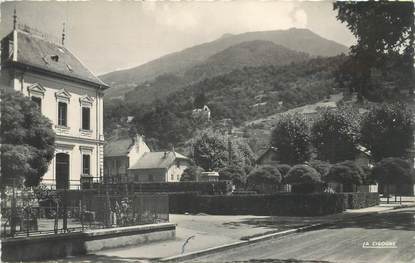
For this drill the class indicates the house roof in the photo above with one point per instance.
(268, 150)
(119, 147)
(42, 54)
(156, 160)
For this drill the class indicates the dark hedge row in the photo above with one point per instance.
(207, 188)
(361, 200)
(281, 204)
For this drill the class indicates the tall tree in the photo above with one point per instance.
(210, 151)
(385, 36)
(387, 131)
(291, 137)
(335, 134)
(27, 140)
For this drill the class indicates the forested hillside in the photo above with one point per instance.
(243, 94)
(247, 54)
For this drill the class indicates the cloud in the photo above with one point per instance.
(229, 16)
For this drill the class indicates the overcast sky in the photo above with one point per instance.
(108, 36)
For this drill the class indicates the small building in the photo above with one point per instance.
(119, 154)
(209, 177)
(269, 157)
(159, 167)
(202, 113)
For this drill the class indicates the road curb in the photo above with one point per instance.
(199, 253)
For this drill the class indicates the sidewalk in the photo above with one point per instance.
(209, 231)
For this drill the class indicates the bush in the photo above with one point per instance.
(304, 179)
(321, 166)
(264, 179)
(280, 204)
(191, 173)
(361, 200)
(235, 174)
(347, 173)
(393, 171)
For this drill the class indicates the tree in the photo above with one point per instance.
(234, 173)
(335, 134)
(347, 173)
(264, 179)
(213, 151)
(387, 131)
(191, 173)
(210, 151)
(303, 178)
(385, 36)
(27, 140)
(291, 137)
(392, 171)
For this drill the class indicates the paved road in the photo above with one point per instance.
(340, 243)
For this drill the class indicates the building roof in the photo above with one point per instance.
(157, 160)
(262, 154)
(119, 147)
(42, 54)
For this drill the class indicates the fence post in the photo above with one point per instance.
(13, 212)
(65, 212)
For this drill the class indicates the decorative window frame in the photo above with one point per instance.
(65, 97)
(86, 101)
(36, 90)
(86, 150)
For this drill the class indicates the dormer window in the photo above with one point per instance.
(55, 58)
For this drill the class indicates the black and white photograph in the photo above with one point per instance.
(207, 131)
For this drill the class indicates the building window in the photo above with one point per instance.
(62, 113)
(86, 164)
(38, 102)
(150, 178)
(86, 118)
(172, 177)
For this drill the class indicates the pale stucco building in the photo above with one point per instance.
(130, 160)
(68, 94)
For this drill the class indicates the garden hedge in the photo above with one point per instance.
(281, 204)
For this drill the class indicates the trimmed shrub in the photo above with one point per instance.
(264, 179)
(235, 174)
(347, 173)
(304, 179)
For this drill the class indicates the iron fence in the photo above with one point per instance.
(28, 213)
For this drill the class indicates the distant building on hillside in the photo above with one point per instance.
(202, 113)
(130, 160)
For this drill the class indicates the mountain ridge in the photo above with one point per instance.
(177, 63)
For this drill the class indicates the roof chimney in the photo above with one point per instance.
(14, 19)
(63, 34)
